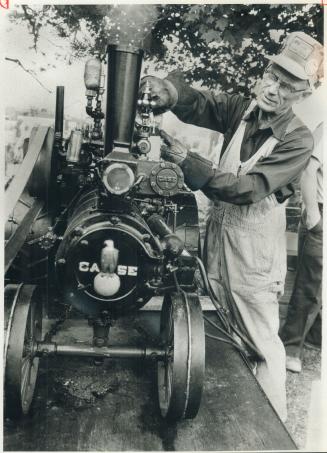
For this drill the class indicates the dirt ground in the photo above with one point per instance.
(114, 407)
(298, 386)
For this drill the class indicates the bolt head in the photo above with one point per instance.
(78, 231)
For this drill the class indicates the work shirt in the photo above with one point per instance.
(276, 173)
(318, 154)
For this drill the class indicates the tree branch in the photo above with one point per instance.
(15, 60)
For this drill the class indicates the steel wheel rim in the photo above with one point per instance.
(21, 362)
(30, 363)
(180, 374)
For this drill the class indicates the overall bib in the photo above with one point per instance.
(245, 256)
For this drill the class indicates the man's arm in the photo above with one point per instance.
(204, 108)
(218, 112)
(273, 174)
(309, 192)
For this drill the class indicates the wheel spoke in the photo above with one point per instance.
(26, 376)
(32, 321)
(27, 334)
(166, 383)
(170, 378)
(170, 326)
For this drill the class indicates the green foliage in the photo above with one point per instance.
(221, 46)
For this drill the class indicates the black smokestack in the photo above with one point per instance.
(59, 119)
(124, 69)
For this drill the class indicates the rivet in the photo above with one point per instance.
(78, 231)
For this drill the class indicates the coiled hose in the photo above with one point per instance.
(223, 317)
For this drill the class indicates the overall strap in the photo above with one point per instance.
(264, 151)
(229, 162)
(251, 107)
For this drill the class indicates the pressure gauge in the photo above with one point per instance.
(118, 178)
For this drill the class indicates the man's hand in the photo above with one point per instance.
(314, 222)
(312, 219)
(163, 93)
(172, 150)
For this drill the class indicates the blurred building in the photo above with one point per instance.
(18, 126)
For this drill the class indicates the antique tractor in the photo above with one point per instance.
(115, 226)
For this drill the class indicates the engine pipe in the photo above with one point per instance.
(112, 352)
(124, 70)
(59, 118)
(158, 225)
(174, 245)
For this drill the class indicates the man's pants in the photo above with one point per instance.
(259, 313)
(246, 263)
(305, 304)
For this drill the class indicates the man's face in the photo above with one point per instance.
(279, 90)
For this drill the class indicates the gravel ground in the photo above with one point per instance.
(298, 387)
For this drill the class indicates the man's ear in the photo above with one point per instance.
(303, 95)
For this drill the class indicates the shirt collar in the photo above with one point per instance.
(278, 124)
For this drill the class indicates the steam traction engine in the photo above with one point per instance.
(118, 227)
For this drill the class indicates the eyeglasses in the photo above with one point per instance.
(287, 88)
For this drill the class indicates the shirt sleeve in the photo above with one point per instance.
(217, 112)
(274, 174)
(318, 143)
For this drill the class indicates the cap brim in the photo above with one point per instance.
(290, 66)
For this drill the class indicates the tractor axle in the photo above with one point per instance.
(112, 352)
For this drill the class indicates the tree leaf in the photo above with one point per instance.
(222, 23)
(211, 35)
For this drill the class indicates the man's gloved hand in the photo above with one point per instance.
(172, 150)
(163, 93)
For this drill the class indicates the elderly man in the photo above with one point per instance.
(265, 150)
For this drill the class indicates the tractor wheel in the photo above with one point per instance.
(23, 328)
(181, 373)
